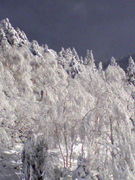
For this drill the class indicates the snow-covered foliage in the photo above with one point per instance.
(36, 161)
(81, 110)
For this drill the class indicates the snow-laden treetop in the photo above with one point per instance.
(9, 36)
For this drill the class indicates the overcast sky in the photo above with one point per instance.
(105, 26)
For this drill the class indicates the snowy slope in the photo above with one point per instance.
(41, 89)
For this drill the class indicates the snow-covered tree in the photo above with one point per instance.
(35, 158)
(100, 67)
(89, 59)
(131, 70)
(113, 62)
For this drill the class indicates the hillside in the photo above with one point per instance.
(58, 92)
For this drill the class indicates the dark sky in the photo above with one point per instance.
(105, 26)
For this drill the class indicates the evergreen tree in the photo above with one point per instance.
(113, 62)
(100, 67)
(131, 70)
